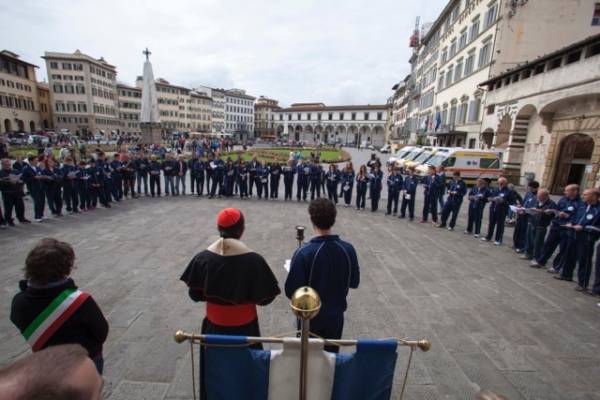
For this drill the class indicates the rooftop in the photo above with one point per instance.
(78, 55)
(15, 57)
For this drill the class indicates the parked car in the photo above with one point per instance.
(33, 139)
(385, 149)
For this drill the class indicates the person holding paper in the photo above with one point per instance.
(394, 184)
(274, 176)
(330, 266)
(52, 186)
(478, 197)
(362, 181)
(69, 176)
(252, 168)
(543, 213)
(347, 183)
(303, 172)
(456, 192)
(332, 177)
(433, 185)
(316, 172)
(262, 176)
(524, 218)
(242, 179)
(180, 172)
(501, 197)
(154, 169)
(409, 188)
(288, 179)
(31, 175)
(580, 246)
(218, 174)
(11, 186)
(375, 185)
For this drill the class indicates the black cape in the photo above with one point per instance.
(228, 273)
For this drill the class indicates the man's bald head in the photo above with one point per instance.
(502, 181)
(56, 373)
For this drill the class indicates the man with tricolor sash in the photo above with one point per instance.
(50, 310)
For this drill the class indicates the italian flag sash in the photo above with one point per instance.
(52, 318)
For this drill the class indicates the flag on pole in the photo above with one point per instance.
(234, 371)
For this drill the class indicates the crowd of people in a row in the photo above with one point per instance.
(572, 223)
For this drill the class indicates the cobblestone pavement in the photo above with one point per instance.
(494, 322)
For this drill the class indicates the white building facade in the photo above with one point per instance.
(348, 125)
(239, 114)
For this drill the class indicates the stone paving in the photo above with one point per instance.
(494, 322)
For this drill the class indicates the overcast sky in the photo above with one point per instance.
(337, 52)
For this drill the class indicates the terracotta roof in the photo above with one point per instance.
(543, 59)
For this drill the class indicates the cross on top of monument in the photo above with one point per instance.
(147, 54)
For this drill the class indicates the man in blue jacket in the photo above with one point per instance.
(433, 185)
(501, 199)
(408, 196)
(580, 247)
(456, 192)
(330, 266)
(557, 237)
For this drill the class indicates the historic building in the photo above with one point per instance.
(545, 115)
(398, 129)
(239, 114)
(473, 40)
(130, 107)
(318, 123)
(218, 110)
(83, 93)
(264, 118)
(46, 118)
(198, 113)
(19, 103)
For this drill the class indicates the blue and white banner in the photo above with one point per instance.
(237, 372)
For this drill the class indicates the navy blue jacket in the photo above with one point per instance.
(288, 173)
(315, 172)
(330, 266)
(502, 199)
(303, 172)
(375, 181)
(478, 196)
(433, 185)
(459, 187)
(394, 183)
(361, 182)
(410, 185)
(567, 206)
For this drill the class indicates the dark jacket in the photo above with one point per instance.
(87, 326)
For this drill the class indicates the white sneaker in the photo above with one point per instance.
(498, 243)
(476, 235)
(39, 220)
(450, 229)
(534, 263)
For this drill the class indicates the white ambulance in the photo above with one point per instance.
(472, 164)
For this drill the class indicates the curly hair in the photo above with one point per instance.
(49, 261)
(322, 213)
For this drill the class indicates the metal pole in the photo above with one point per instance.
(304, 335)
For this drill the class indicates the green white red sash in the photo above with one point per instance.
(52, 318)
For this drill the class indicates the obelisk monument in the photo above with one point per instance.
(149, 117)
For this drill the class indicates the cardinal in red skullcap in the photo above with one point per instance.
(232, 280)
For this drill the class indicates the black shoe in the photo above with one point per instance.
(562, 278)
(11, 223)
(25, 221)
(387, 213)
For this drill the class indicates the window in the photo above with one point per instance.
(441, 81)
(298, 116)
(474, 30)
(596, 15)
(488, 163)
(472, 143)
(556, 63)
(445, 117)
(574, 57)
(462, 42)
(450, 161)
(54, 65)
(330, 116)
(353, 116)
(66, 66)
(341, 116)
(462, 113)
(449, 76)
(474, 107)
(455, 12)
(319, 116)
(593, 50)
(469, 63)
(453, 48)
(444, 55)
(484, 55)
(366, 116)
(458, 70)
(539, 69)
(380, 115)
(452, 120)
(490, 16)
